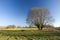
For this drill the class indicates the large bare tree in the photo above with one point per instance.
(39, 17)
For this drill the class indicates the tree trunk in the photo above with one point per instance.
(41, 27)
(38, 26)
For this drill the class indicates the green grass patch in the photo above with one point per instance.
(28, 35)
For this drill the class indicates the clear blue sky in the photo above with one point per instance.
(15, 11)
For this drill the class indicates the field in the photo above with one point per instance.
(28, 34)
(18, 28)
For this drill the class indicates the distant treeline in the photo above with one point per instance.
(14, 26)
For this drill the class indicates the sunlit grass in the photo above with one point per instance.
(28, 35)
(21, 29)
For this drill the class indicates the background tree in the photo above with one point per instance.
(18, 26)
(39, 17)
(11, 26)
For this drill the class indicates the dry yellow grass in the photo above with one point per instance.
(18, 28)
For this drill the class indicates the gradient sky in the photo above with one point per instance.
(15, 11)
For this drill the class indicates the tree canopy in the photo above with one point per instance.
(39, 17)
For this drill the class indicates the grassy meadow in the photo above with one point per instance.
(29, 34)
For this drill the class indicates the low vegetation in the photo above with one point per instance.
(28, 35)
(48, 33)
